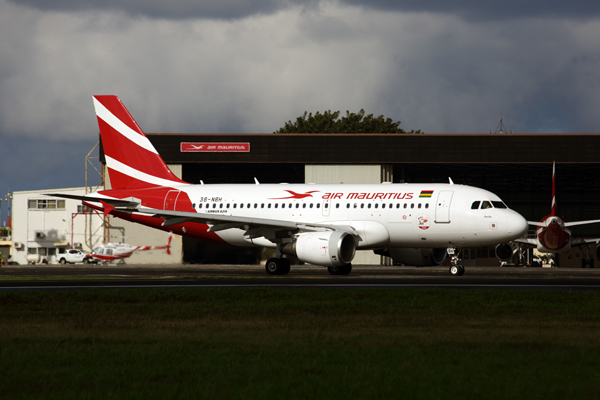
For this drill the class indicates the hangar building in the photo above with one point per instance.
(517, 167)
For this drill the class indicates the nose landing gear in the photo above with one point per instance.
(456, 268)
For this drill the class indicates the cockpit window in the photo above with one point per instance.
(499, 204)
(486, 204)
(475, 205)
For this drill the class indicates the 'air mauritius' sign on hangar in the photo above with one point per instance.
(187, 147)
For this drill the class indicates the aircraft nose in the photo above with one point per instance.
(516, 225)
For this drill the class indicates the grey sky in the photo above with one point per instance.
(249, 66)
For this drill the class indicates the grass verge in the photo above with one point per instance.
(299, 343)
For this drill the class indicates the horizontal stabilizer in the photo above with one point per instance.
(129, 203)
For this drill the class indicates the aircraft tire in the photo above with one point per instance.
(342, 270)
(334, 270)
(285, 266)
(462, 270)
(273, 266)
(346, 269)
(455, 270)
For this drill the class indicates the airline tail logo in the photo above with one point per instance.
(131, 158)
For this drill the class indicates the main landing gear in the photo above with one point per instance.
(455, 268)
(277, 266)
(342, 270)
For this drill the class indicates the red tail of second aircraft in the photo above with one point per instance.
(553, 212)
(132, 160)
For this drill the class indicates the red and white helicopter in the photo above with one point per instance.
(552, 235)
(117, 251)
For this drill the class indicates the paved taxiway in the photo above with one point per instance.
(109, 276)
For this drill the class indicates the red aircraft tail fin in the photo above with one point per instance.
(131, 158)
(553, 212)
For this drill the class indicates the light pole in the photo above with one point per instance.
(8, 198)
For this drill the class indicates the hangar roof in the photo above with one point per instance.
(386, 148)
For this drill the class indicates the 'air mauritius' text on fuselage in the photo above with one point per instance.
(368, 196)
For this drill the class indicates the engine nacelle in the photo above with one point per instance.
(504, 251)
(330, 248)
(418, 257)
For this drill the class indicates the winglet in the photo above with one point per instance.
(107, 208)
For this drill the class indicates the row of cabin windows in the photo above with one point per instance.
(485, 204)
(312, 205)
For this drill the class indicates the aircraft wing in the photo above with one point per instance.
(580, 242)
(254, 227)
(590, 221)
(527, 241)
(536, 223)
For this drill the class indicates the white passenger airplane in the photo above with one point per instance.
(322, 224)
(552, 234)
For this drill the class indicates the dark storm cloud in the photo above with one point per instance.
(177, 9)
(489, 10)
(233, 9)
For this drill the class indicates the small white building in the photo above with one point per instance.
(44, 227)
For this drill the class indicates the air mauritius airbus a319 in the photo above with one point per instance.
(321, 224)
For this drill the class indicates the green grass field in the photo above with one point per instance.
(299, 344)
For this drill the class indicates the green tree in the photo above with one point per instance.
(329, 122)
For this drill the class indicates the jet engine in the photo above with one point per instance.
(504, 251)
(416, 257)
(330, 248)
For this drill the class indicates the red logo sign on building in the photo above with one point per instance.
(187, 147)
